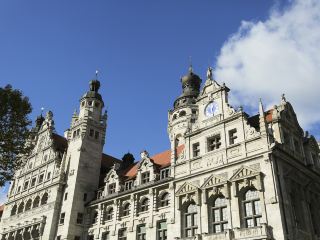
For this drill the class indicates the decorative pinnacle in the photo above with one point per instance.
(209, 73)
(97, 71)
(190, 65)
(283, 98)
(42, 108)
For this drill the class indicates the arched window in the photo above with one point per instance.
(36, 202)
(218, 220)
(144, 205)
(28, 205)
(21, 207)
(109, 214)
(14, 210)
(174, 117)
(182, 114)
(251, 208)
(164, 199)
(44, 199)
(190, 225)
(126, 209)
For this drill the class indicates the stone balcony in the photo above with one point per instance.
(260, 232)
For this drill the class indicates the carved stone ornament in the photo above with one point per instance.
(144, 154)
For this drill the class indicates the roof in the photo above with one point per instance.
(107, 162)
(161, 160)
(60, 142)
(254, 120)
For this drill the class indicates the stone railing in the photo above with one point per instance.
(260, 232)
(225, 235)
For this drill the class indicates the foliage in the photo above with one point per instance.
(14, 132)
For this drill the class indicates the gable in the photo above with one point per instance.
(244, 172)
(213, 180)
(186, 188)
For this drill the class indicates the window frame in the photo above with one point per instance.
(123, 235)
(162, 232)
(140, 235)
(193, 218)
(253, 209)
(214, 142)
(145, 177)
(220, 208)
(196, 149)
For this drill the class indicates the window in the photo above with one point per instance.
(128, 185)
(144, 205)
(164, 173)
(84, 197)
(141, 232)
(190, 220)
(19, 188)
(196, 149)
(251, 208)
(59, 237)
(182, 114)
(79, 218)
(164, 199)
(218, 218)
(65, 196)
(91, 133)
(126, 209)
(105, 236)
(112, 188)
(44, 199)
(62, 216)
(36, 202)
(77, 238)
(14, 210)
(214, 143)
(94, 217)
(232, 136)
(145, 177)
(78, 132)
(109, 214)
(90, 237)
(90, 103)
(48, 175)
(122, 234)
(162, 230)
(41, 178)
(45, 158)
(96, 135)
(25, 186)
(21, 207)
(28, 205)
(33, 181)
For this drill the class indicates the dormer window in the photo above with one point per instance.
(112, 188)
(128, 185)
(165, 173)
(145, 177)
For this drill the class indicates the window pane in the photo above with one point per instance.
(258, 220)
(257, 207)
(216, 215)
(251, 194)
(220, 201)
(188, 222)
(224, 214)
(249, 222)
(248, 209)
(217, 228)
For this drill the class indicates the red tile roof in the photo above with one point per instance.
(162, 160)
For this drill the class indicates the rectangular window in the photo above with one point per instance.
(66, 196)
(62, 215)
(128, 185)
(122, 234)
(76, 238)
(105, 236)
(214, 143)
(141, 232)
(91, 133)
(165, 173)
(232, 136)
(19, 188)
(48, 175)
(80, 218)
(25, 186)
(33, 181)
(162, 230)
(112, 188)
(84, 197)
(41, 178)
(58, 237)
(196, 149)
(96, 135)
(145, 177)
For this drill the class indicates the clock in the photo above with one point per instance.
(211, 109)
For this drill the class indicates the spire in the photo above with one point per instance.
(261, 109)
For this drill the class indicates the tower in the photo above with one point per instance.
(83, 162)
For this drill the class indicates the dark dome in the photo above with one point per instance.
(93, 90)
(191, 84)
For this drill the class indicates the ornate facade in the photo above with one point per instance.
(227, 176)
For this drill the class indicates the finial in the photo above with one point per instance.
(283, 98)
(97, 71)
(209, 73)
(42, 108)
(190, 64)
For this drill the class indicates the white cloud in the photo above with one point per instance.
(279, 55)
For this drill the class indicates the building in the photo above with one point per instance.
(227, 175)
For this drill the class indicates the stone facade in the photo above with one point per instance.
(227, 175)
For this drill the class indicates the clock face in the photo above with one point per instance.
(211, 109)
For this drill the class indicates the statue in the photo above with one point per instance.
(209, 73)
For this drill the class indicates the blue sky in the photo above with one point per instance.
(51, 49)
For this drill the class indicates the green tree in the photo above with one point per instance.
(14, 131)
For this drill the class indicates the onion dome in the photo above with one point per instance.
(190, 87)
(94, 86)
